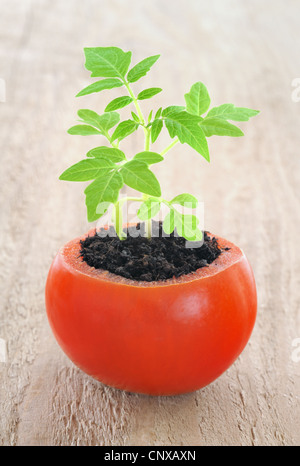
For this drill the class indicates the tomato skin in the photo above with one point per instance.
(162, 338)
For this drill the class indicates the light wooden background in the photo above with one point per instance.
(246, 53)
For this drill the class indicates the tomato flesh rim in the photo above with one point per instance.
(70, 253)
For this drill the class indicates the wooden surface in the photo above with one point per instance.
(246, 53)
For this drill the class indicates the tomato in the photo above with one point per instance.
(156, 338)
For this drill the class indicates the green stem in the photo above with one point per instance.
(148, 223)
(130, 198)
(169, 146)
(147, 138)
(118, 217)
(147, 132)
(115, 145)
(119, 221)
(135, 101)
(139, 111)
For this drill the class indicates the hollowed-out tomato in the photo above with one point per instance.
(157, 338)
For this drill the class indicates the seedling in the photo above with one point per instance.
(109, 167)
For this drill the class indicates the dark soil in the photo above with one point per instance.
(140, 258)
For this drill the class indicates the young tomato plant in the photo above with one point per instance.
(109, 167)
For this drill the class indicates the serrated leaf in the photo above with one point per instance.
(219, 127)
(148, 157)
(197, 100)
(156, 128)
(102, 122)
(148, 209)
(98, 86)
(185, 200)
(87, 169)
(103, 189)
(124, 129)
(137, 175)
(186, 127)
(117, 103)
(111, 153)
(141, 68)
(231, 112)
(148, 93)
(107, 62)
(83, 130)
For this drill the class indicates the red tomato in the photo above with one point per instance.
(157, 338)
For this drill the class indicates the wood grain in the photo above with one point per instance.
(246, 53)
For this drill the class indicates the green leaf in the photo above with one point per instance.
(174, 109)
(98, 86)
(111, 153)
(156, 128)
(148, 209)
(141, 69)
(117, 103)
(187, 227)
(148, 93)
(83, 130)
(107, 62)
(137, 175)
(148, 157)
(231, 112)
(219, 127)
(90, 118)
(169, 222)
(197, 100)
(186, 127)
(135, 117)
(186, 200)
(158, 113)
(109, 120)
(101, 208)
(124, 129)
(87, 169)
(103, 189)
(102, 122)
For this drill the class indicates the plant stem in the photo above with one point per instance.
(138, 108)
(148, 222)
(118, 217)
(115, 145)
(119, 221)
(169, 146)
(147, 146)
(130, 198)
(139, 111)
(147, 138)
